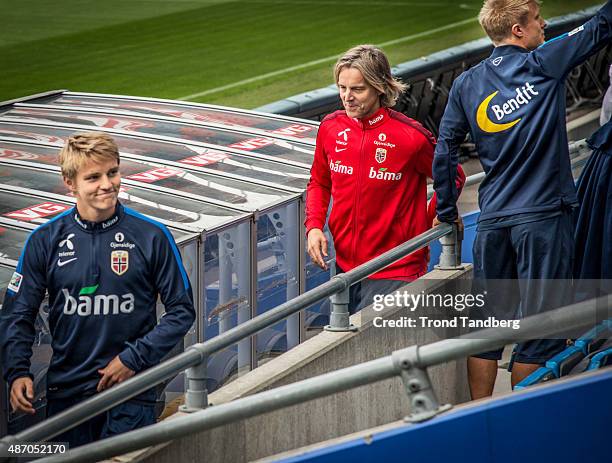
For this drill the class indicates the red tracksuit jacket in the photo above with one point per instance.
(375, 169)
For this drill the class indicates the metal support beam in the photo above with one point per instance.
(424, 404)
(196, 397)
(450, 258)
(339, 316)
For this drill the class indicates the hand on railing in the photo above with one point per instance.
(450, 257)
(458, 222)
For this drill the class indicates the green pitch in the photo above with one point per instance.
(239, 53)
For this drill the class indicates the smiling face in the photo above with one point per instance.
(359, 98)
(96, 189)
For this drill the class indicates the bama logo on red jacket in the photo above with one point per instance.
(383, 174)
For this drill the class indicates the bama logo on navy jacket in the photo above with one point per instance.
(88, 303)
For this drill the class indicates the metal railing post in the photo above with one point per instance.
(196, 396)
(424, 404)
(339, 314)
(450, 258)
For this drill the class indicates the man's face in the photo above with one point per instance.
(359, 98)
(533, 28)
(96, 188)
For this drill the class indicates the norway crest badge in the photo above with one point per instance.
(381, 155)
(120, 262)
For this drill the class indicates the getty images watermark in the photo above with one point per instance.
(447, 308)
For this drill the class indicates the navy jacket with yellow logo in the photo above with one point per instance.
(513, 105)
(103, 280)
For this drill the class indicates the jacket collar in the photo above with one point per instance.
(375, 120)
(504, 50)
(104, 225)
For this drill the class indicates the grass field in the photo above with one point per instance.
(239, 53)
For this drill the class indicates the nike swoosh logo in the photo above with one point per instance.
(61, 263)
(341, 149)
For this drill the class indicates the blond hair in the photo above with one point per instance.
(83, 147)
(376, 71)
(498, 16)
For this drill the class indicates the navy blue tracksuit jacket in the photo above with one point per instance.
(103, 281)
(513, 105)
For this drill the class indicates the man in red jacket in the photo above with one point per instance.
(373, 162)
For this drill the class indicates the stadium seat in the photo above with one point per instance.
(541, 375)
(601, 359)
(562, 363)
(595, 337)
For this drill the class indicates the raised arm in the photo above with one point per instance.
(560, 55)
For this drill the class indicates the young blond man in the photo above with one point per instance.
(513, 105)
(102, 266)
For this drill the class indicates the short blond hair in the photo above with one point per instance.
(83, 147)
(376, 71)
(498, 16)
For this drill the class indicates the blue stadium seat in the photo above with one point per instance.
(541, 375)
(562, 363)
(595, 337)
(601, 359)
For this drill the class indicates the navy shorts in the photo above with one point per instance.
(525, 269)
(130, 415)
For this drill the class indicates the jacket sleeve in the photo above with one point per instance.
(318, 191)
(453, 129)
(24, 295)
(424, 156)
(559, 55)
(172, 284)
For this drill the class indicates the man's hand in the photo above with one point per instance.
(22, 395)
(114, 372)
(317, 247)
(458, 221)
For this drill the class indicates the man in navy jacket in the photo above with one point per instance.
(103, 267)
(513, 105)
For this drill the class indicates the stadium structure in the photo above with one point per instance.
(272, 369)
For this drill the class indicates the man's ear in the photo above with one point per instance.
(517, 31)
(69, 184)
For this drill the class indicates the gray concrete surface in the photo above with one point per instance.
(332, 416)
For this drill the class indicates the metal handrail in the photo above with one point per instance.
(404, 362)
(196, 354)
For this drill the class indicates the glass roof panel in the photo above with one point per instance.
(30, 209)
(153, 203)
(255, 169)
(306, 130)
(5, 276)
(236, 192)
(12, 241)
(281, 149)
